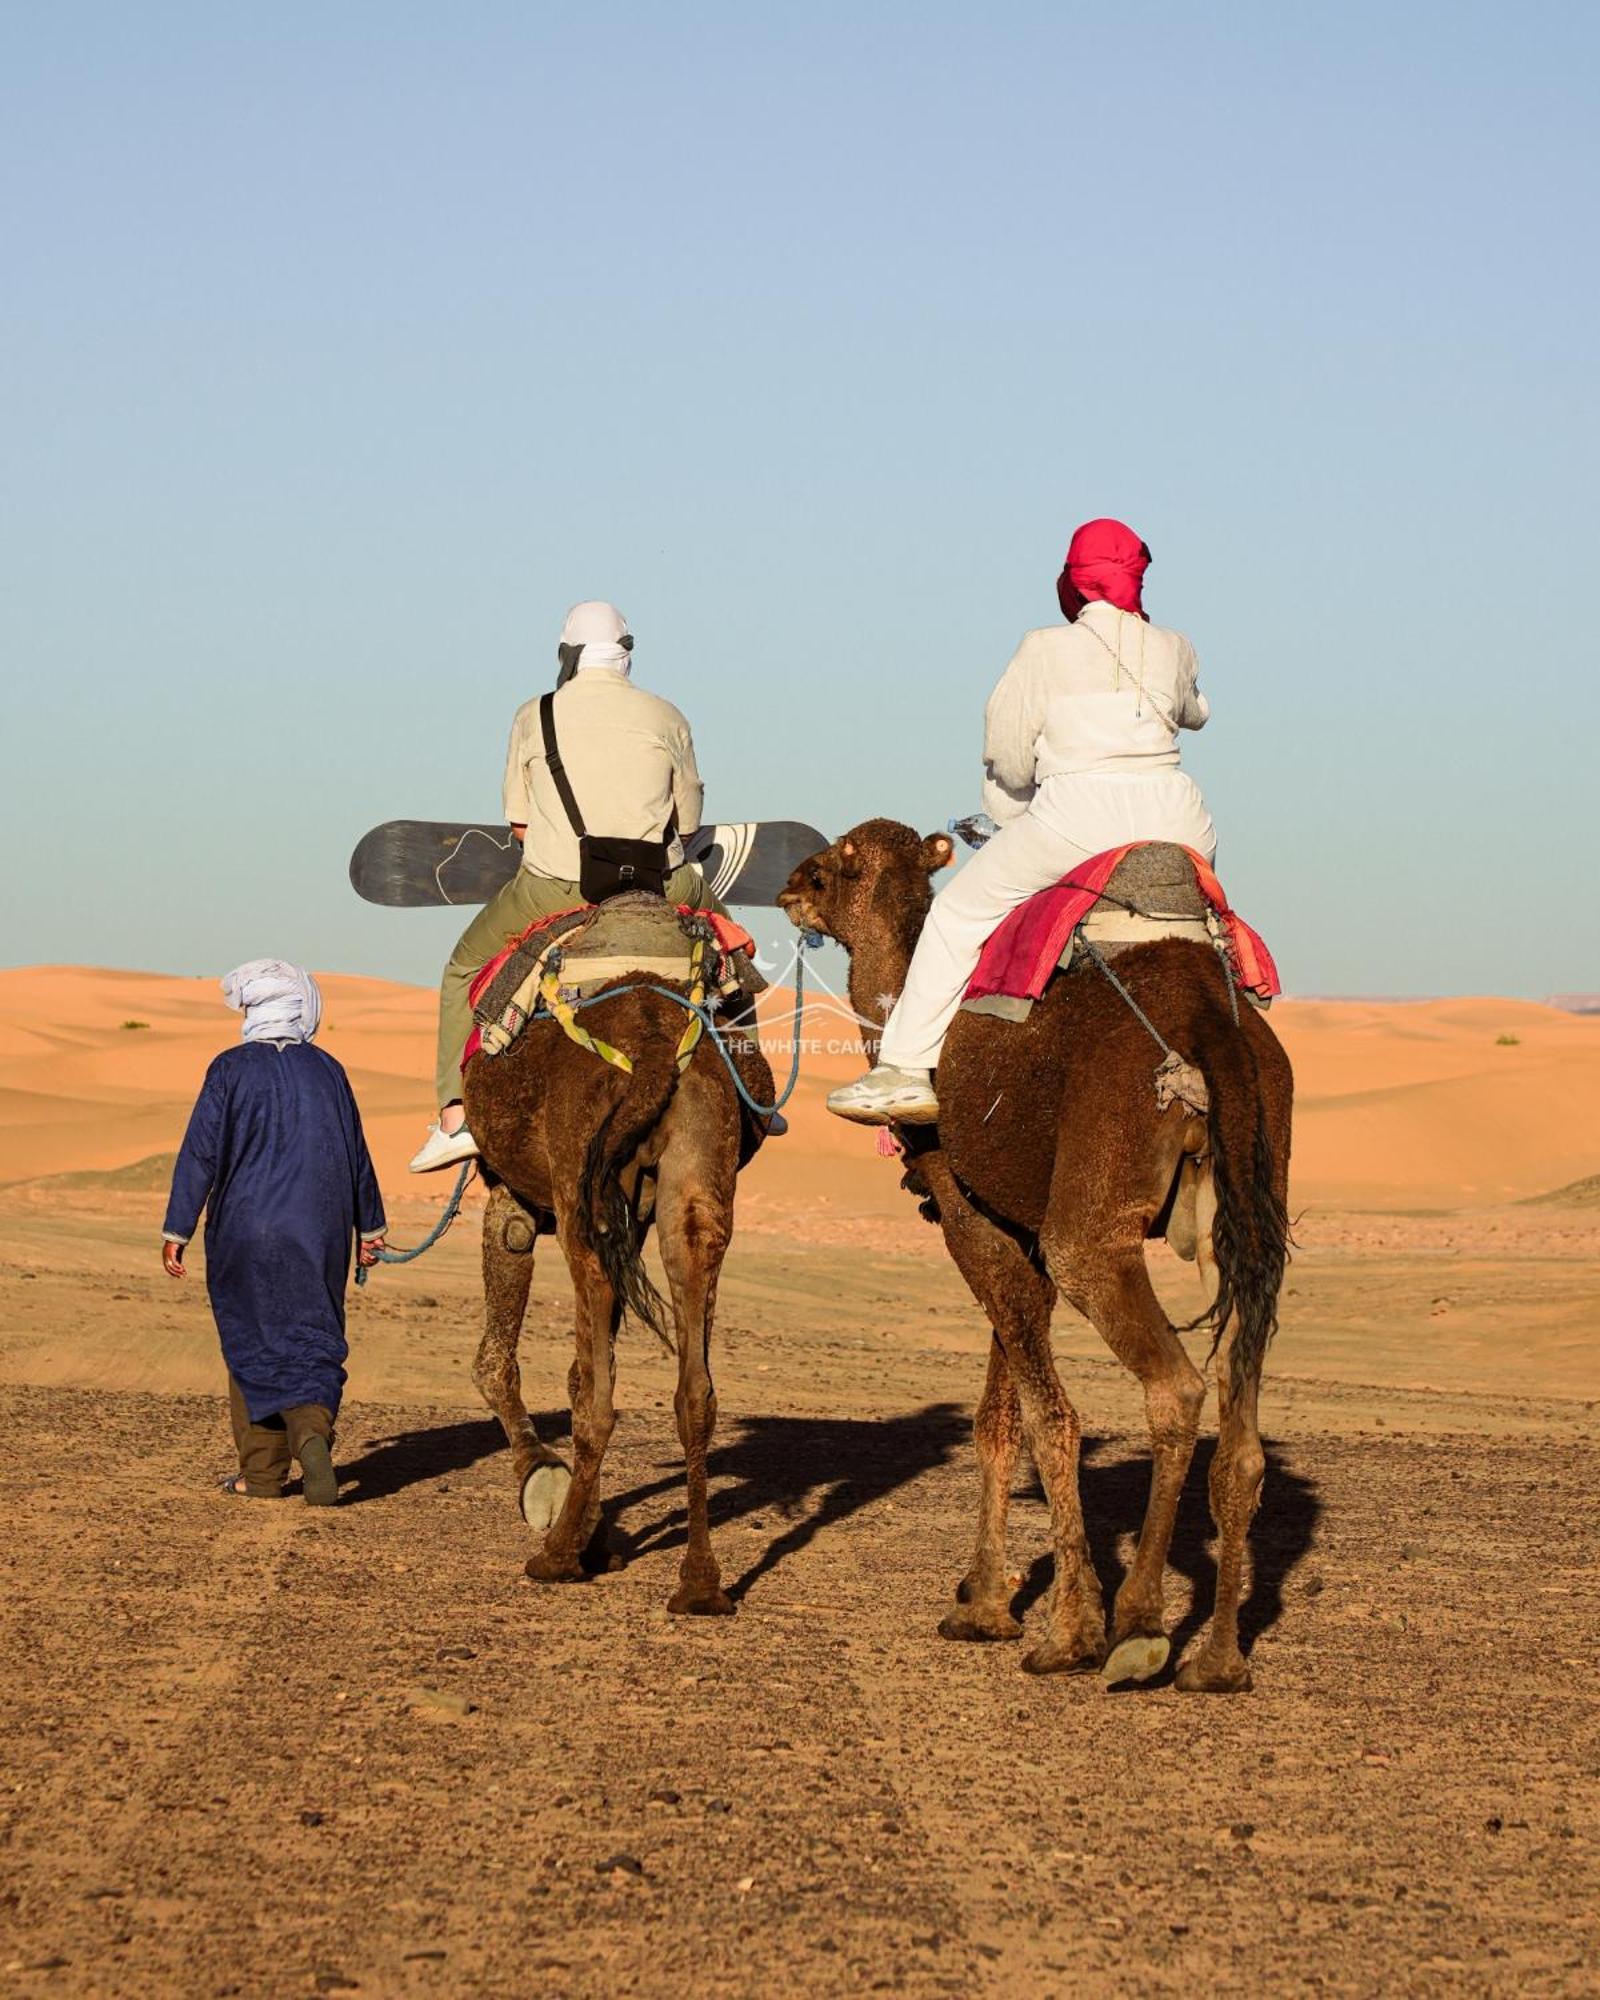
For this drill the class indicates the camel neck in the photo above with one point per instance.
(878, 964)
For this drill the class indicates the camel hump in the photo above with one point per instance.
(1157, 879)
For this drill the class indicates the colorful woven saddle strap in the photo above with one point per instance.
(563, 1012)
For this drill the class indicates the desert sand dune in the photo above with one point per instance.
(1436, 1104)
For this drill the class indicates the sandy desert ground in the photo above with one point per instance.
(253, 1750)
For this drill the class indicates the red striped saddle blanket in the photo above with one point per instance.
(1037, 937)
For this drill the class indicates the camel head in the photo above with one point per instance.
(871, 878)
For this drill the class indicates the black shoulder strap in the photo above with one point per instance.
(558, 770)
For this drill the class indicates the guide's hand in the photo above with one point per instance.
(172, 1259)
(367, 1252)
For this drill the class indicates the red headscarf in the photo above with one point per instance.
(1105, 560)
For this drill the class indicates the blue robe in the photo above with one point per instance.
(276, 1157)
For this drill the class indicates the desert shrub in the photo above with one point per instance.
(1508, 1041)
(136, 1024)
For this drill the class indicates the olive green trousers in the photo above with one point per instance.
(508, 913)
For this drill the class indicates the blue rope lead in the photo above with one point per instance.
(451, 1211)
(716, 1033)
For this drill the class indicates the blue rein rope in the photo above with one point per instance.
(810, 940)
(451, 1211)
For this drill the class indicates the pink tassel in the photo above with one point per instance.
(888, 1144)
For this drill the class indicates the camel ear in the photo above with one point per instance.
(849, 858)
(936, 852)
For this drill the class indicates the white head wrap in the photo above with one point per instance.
(599, 628)
(280, 1002)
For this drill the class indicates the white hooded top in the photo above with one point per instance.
(1107, 693)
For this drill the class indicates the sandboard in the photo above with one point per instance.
(414, 864)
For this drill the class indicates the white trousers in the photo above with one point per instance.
(1069, 820)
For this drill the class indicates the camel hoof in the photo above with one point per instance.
(544, 1494)
(691, 1601)
(1139, 1657)
(975, 1626)
(544, 1568)
(1054, 1658)
(1206, 1676)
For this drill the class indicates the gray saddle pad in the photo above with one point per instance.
(633, 932)
(1156, 881)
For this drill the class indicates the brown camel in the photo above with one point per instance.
(578, 1149)
(1050, 1168)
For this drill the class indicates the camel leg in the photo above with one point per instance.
(593, 1420)
(1111, 1287)
(693, 1228)
(983, 1596)
(1018, 1298)
(1075, 1625)
(1205, 1216)
(509, 1235)
(1217, 1666)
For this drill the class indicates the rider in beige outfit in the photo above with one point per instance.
(630, 759)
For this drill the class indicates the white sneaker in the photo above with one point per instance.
(887, 1096)
(444, 1149)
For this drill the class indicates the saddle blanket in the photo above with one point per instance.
(1019, 959)
(730, 937)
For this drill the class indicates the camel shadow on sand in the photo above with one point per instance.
(816, 1472)
(1114, 1495)
(389, 1465)
(811, 1473)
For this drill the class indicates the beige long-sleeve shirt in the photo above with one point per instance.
(629, 757)
(1106, 693)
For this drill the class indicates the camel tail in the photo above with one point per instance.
(606, 1221)
(1250, 1234)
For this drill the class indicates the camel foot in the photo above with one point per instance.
(1139, 1657)
(1051, 1657)
(975, 1623)
(694, 1600)
(547, 1568)
(544, 1494)
(1208, 1673)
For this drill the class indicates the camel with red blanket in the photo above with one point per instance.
(1067, 1139)
(602, 1110)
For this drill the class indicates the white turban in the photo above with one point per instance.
(600, 629)
(280, 1002)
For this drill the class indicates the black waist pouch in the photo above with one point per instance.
(610, 867)
(607, 865)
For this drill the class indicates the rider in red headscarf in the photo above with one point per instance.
(1105, 561)
(1081, 756)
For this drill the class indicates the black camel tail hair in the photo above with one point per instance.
(607, 1224)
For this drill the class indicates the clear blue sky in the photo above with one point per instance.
(345, 346)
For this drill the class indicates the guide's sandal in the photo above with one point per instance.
(317, 1479)
(233, 1485)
